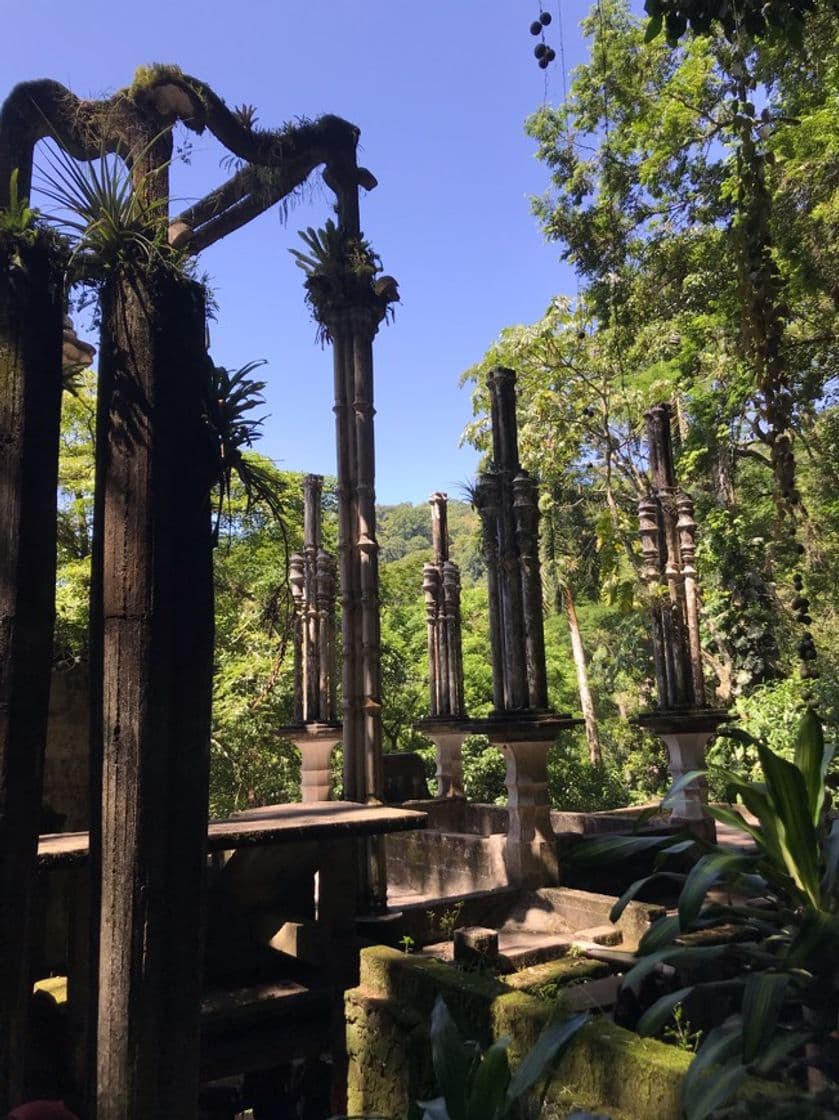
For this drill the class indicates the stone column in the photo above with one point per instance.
(530, 853)
(158, 663)
(31, 316)
(507, 501)
(441, 586)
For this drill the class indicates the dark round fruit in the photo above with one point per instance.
(536, 28)
(540, 50)
(543, 62)
(545, 18)
(551, 55)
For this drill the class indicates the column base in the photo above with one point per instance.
(316, 742)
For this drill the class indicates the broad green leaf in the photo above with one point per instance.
(680, 785)
(658, 1015)
(635, 887)
(715, 1072)
(488, 1097)
(662, 932)
(780, 1046)
(674, 955)
(606, 848)
(831, 859)
(453, 1060)
(710, 869)
(809, 755)
(536, 1064)
(796, 833)
(735, 820)
(762, 1000)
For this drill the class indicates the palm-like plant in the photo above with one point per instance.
(232, 397)
(783, 901)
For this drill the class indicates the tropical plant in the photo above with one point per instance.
(231, 398)
(18, 217)
(341, 267)
(780, 904)
(108, 221)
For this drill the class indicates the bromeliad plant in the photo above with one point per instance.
(781, 896)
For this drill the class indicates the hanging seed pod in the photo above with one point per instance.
(543, 62)
(545, 18)
(799, 603)
(797, 582)
(536, 28)
(551, 55)
(540, 50)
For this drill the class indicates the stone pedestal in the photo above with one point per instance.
(524, 740)
(315, 741)
(686, 734)
(447, 737)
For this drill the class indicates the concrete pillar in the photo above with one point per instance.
(686, 752)
(530, 854)
(449, 746)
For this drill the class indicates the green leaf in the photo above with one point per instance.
(680, 785)
(831, 859)
(453, 1060)
(715, 1072)
(778, 1048)
(535, 1064)
(674, 955)
(796, 832)
(631, 891)
(710, 869)
(662, 932)
(809, 754)
(658, 1015)
(487, 1100)
(604, 849)
(762, 1000)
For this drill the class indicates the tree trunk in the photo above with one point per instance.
(586, 703)
(31, 311)
(157, 658)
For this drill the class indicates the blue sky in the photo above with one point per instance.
(440, 91)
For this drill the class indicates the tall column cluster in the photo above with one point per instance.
(668, 532)
(506, 497)
(441, 587)
(312, 575)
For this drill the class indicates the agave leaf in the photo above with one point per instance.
(658, 1015)
(547, 1048)
(762, 1000)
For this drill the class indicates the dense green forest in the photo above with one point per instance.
(695, 189)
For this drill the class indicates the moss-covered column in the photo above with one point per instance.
(157, 661)
(31, 312)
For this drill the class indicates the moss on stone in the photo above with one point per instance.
(548, 980)
(145, 77)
